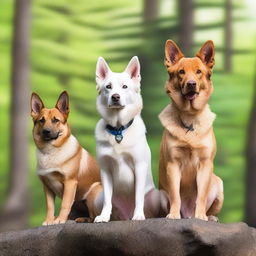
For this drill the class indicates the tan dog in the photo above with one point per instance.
(65, 168)
(188, 145)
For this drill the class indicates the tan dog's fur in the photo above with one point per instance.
(64, 167)
(186, 156)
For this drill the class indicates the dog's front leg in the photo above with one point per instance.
(50, 198)
(203, 181)
(67, 200)
(107, 183)
(140, 180)
(173, 181)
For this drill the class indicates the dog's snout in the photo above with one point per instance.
(115, 97)
(46, 131)
(191, 84)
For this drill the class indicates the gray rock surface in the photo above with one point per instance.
(154, 237)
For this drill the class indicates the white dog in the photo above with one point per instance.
(122, 149)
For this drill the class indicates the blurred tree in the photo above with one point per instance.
(149, 52)
(150, 11)
(250, 209)
(63, 39)
(15, 211)
(228, 36)
(186, 25)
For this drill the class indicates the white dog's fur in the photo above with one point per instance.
(128, 187)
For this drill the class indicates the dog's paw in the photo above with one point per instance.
(59, 220)
(83, 220)
(213, 218)
(201, 217)
(173, 216)
(138, 216)
(102, 218)
(48, 222)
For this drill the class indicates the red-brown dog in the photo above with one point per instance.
(188, 147)
(64, 167)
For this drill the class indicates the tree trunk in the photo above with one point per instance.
(150, 11)
(15, 212)
(228, 36)
(250, 209)
(186, 25)
(148, 53)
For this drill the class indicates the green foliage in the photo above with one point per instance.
(65, 44)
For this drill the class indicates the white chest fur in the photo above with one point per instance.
(121, 159)
(50, 180)
(50, 161)
(53, 157)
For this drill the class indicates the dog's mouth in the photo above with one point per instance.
(116, 105)
(190, 95)
(51, 137)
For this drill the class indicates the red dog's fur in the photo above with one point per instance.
(188, 145)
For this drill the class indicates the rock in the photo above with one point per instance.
(154, 237)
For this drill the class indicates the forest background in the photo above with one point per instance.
(49, 46)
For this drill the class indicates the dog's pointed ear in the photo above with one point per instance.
(102, 69)
(36, 105)
(206, 54)
(133, 68)
(172, 53)
(63, 103)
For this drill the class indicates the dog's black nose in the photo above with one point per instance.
(191, 84)
(115, 97)
(46, 131)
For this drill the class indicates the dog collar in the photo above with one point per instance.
(118, 132)
(189, 128)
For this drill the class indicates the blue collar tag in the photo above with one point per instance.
(118, 132)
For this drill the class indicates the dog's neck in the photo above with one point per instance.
(49, 148)
(189, 120)
(118, 131)
(51, 156)
(119, 117)
(200, 122)
(190, 128)
(118, 121)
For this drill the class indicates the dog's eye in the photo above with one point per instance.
(125, 86)
(198, 71)
(55, 120)
(108, 86)
(182, 72)
(42, 120)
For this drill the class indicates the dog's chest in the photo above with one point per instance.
(191, 148)
(123, 174)
(48, 161)
(189, 157)
(50, 164)
(50, 172)
(51, 157)
(53, 179)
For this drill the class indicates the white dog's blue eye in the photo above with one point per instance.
(108, 86)
(125, 86)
